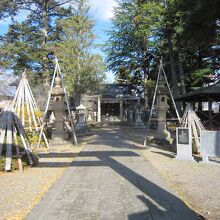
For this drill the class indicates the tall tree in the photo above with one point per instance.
(194, 32)
(84, 71)
(133, 39)
(27, 44)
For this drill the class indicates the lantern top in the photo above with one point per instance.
(58, 89)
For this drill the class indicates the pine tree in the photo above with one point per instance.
(27, 44)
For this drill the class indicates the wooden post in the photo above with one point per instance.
(3, 131)
(121, 110)
(20, 166)
(210, 113)
(8, 142)
(99, 109)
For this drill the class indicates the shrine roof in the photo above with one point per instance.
(203, 94)
(116, 91)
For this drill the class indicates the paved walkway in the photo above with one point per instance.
(110, 180)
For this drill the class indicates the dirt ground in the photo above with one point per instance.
(197, 184)
(21, 191)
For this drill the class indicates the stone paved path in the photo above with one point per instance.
(110, 180)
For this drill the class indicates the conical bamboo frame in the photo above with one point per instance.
(57, 72)
(26, 108)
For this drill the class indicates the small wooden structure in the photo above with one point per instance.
(192, 121)
(26, 108)
(10, 129)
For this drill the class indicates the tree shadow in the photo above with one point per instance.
(159, 202)
(164, 154)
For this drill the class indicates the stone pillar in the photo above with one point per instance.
(58, 108)
(162, 108)
(130, 116)
(121, 110)
(99, 109)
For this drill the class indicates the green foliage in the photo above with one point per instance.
(200, 76)
(83, 70)
(150, 86)
(52, 28)
(184, 32)
(132, 44)
(27, 44)
(194, 31)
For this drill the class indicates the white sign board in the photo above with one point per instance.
(184, 143)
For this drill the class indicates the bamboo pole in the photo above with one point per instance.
(68, 108)
(8, 142)
(18, 109)
(28, 109)
(23, 136)
(47, 106)
(33, 115)
(22, 106)
(152, 106)
(16, 95)
(20, 166)
(163, 71)
(32, 96)
(3, 131)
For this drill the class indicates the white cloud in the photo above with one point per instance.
(102, 9)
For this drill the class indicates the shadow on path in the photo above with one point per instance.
(160, 204)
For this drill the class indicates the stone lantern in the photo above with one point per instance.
(162, 106)
(58, 108)
(81, 126)
(138, 124)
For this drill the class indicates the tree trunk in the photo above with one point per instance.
(145, 70)
(44, 41)
(181, 71)
(173, 72)
(145, 89)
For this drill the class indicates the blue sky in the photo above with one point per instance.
(101, 11)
